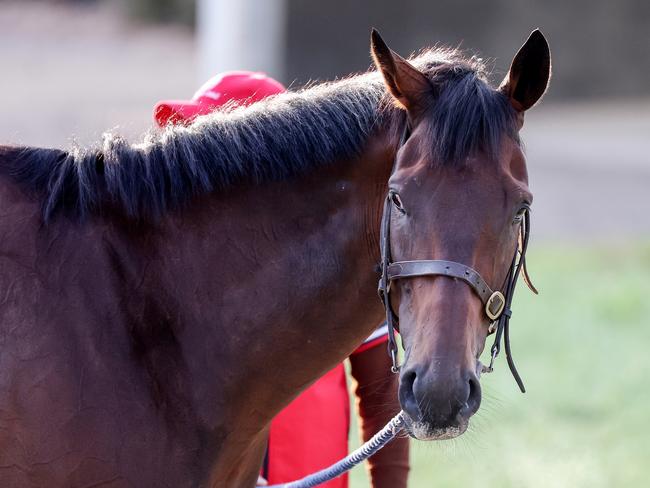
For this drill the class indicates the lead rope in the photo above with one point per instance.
(379, 440)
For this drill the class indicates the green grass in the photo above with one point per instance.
(582, 349)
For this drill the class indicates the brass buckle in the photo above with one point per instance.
(495, 305)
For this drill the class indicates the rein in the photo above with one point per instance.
(496, 303)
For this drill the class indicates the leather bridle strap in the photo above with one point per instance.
(384, 282)
(493, 301)
(503, 325)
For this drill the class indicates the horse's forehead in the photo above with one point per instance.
(475, 178)
(480, 176)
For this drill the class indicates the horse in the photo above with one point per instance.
(160, 302)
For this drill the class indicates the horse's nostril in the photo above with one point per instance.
(474, 397)
(407, 395)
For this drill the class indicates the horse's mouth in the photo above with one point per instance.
(424, 431)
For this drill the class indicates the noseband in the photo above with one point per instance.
(496, 303)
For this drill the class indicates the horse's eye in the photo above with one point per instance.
(397, 201)
(520, 213)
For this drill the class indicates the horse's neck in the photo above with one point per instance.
(274, 285)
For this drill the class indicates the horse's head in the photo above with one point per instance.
(458, 193)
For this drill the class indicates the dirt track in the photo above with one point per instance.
(77, 72)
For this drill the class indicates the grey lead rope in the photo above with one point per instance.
(379, 440)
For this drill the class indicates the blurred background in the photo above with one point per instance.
(73, 69)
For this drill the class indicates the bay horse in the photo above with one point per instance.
(160, 302)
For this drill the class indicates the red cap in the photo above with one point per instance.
(243, 87)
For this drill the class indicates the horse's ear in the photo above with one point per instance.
(529, 73)
(409, 86)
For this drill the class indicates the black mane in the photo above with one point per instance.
(278, 138)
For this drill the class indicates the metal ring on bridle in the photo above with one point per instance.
(495, 305)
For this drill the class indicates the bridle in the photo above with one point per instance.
(496, 303)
